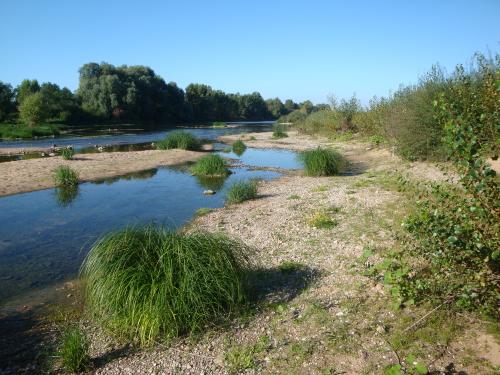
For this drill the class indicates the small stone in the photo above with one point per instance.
(52, 154)
(69, 295)
(209, 192)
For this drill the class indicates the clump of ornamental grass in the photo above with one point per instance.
(179, 139)
(239, 147)
(65, 176)
(149, 283)
(210, 165)
(279, 131)
(242, 191)
(67, 153)
(322, 220)
(321, 162)
(74, 350)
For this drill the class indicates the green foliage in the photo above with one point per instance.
(347, 109)
(288, 267)
(322, 220)
(211, 165)
(203, 211)
(239, 147)
(65, 176)
(219, 124)
(455, 230)
(242, 191)
(67, 153)
(322, 162)
(147, 283)
(33, 109)
(242, 357)
(65, 195)
(179, 139)
(12, 131)
(292, 117)
(7, 105)
(411, 366)
(325, 122)
(279, 131)
(74, 350)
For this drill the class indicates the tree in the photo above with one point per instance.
(25, 89)
(347, 109)
(290, 105)
(6, 100)
(33, 109)
(275, 107)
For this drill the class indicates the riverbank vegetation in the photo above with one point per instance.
(148, 282)
(239, 147)
(130, 94)
(211, 166)
(65, 176)
(321, 162)
(179, 139)
(279, 131)
(73, 351)
(241, 191)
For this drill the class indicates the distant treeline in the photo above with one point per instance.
(136, 94)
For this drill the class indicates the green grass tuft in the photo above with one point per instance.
(322, 220)
(67, 153)
(279, 131)
(239, 147)
(322, 162)
(73, 350)
(65, 176)
(147, 283)
(179, 139)
(219, 124)
(203, 211)
(242, 191)
(210, 165)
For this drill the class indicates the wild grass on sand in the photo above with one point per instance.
(65, 176)
(321, 162)
(242, 191)
(210, 165)
(147, 283)
(73, 350)
(179, 139)
(279, 131)
(67, 153)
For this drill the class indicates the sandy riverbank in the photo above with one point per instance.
(36, 174)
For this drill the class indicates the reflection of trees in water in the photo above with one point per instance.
(239, 151)
(66, 195)
(212, 183)
(141, 175)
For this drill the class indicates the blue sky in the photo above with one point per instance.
(290, 49)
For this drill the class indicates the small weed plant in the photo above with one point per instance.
(74, 350)
(239, 147)
(67, 153)
(279, 131)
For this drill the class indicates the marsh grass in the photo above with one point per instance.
(322, 162)
(242, 191)
(179, 139)
(67, 153)
(149, 283)
(279, 131)
(239, 147)
(65, 176)
(74, 350)
(210, 165)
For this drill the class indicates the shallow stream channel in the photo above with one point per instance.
(45, 234)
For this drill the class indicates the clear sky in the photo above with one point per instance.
(291, 49)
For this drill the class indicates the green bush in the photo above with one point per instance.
(73, 350)
(13, 131)
(219, 124)
(147, 283)
(242, 191)
(293, 117)
(65, 176)
(210, 165)
(179, 139)
(279, 131)
(321, 162)
(325, 122)
(239, 147)
(67, 153)
(454, 233)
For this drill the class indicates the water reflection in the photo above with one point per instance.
(211, 183)
(140, 175)
(66, 195)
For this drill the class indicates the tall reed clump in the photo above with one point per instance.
(279, 131)
(239, 147)
(179, 139)
(148, 283)
(67, 153)
(65, 176)
(322, 162)
(73, 350)
(210, 165)
(242, 191)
